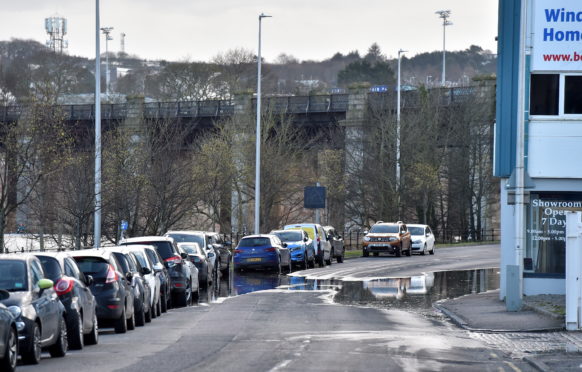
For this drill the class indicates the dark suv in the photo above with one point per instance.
(210, 242)
(386, 237)
(177, 263)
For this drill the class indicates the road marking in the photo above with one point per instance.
(281, 365)
(513, 366)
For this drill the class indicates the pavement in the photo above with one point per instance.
(536, 334)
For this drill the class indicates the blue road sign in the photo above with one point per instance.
(124, 225)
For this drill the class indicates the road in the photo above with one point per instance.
(303, 330)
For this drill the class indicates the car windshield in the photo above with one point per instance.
(51, 268)
(383, 229)
(95, 266)
(188, 238)
(290, 236)
(191, 248)
(416, 230)
(164, 248)
(254, 242)
(13, 275)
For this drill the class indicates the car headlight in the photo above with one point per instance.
(15, 311)
(366, 239)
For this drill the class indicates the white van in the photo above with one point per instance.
(321, 245)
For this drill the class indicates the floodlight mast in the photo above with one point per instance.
(444, 14)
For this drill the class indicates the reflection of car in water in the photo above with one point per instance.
(420, 284)
(254, 281)
(384, 288)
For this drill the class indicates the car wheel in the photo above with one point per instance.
(196, 297)
(121, 323)
(139, 317)
(164, 303)
(31, 354)
(423, 252)
(340, 258)
(376, 254)
(365, 253)
(331, 253)
(59, 349)
(305, 263)
(409, 250)
(290, 266)
(75, 331)
(10, 357)
(149, 314)
(93, 337)
(399, 251)
(432, 250)
(131, 322)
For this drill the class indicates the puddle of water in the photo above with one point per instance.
(418, 292)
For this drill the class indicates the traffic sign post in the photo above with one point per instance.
(314, 198)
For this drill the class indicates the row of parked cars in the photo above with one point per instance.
(298, 245)
(56, 301)
(399, 239)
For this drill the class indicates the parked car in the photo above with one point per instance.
(211, 242)
(162, 274)
(72, 287)
(8, 337)
(262, 251)
(386, 237)
(198, 257)
(337, 243)
(146, 268)
(300, 246)
(142, 307)
(423, 240)
(321, 245)
(39, 314)
(181, 278)
(111, 288)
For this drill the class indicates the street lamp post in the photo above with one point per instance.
(398, 132)
(444, 14)
(258, 137)
(106, 32)
(97, 218)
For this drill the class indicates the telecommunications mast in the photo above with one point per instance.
(56, 28)
(122, 42)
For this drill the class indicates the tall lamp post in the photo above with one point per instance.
(97, 218)
(444, 14)
(398, 132)
(106, 32)
(258, 137)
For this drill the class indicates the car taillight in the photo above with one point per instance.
(111, 275)
(173, 261)
(238, 251)
(272, 249)
(64, 286)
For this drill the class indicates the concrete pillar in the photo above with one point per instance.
(354, 138)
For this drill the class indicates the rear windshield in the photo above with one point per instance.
(51, 267)
(94, 266)
(390, 229)
(153, 256)
(188, 238)
(165, 249)
(416, 230)
(309, 230)
(290, 236)
(122, 262)
(191, 248)
(13, 276)
(254, 242)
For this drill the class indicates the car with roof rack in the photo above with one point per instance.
(387, 237)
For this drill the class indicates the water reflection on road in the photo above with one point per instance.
(418, 292)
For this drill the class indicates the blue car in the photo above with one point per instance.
(262, 251)
(299, 244)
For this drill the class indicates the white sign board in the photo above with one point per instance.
(557, 35)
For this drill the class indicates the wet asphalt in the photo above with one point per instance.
(361, 315)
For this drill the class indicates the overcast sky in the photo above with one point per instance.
(306, 29)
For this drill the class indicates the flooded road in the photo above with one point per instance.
(407, 293)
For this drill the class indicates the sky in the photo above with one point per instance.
(197, 30)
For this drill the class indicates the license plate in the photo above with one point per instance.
(257, 259)
(378, 245)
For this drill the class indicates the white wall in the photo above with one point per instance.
(555, 149)
(537, 286)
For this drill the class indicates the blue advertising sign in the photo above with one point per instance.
(314, 197)
(379, 88)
